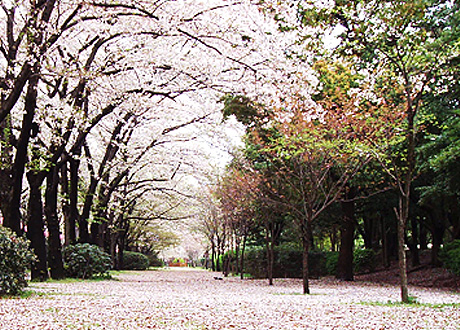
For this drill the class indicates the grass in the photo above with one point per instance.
(412, 303)
(25, 294)
(298, 294)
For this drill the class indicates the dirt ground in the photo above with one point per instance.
(194, 299)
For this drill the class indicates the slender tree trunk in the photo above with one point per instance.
(270, 257)
(305, 273)
(243, 248)
(213, 256)
(384, 233)
(52, 220)
(415, 256)
(402, 220)
(237, 254)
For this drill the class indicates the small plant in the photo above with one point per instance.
(135, 261)
(450, 256)
(15, 259)
(86, 261)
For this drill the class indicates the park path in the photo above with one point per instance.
(194, 299)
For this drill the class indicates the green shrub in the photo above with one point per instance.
(86, 261)
(288, 262)
(155, 261)
(332, 259)
(363, 260)
(255, 261)
(450, 256)
(135, 261)
(15, 259)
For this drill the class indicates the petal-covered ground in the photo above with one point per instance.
(194, 299)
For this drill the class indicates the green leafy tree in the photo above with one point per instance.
(403, 46)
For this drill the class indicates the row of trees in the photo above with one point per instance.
(96, 115)
(376, 131)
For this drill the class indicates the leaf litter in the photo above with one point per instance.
(193, 299)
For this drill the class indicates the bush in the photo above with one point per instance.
(155, 261)
(288, 262)
(332, 259)
(450, 256)
(15, 259)
(86, 261)
(255, 261)
(363, 260)
(135, 261)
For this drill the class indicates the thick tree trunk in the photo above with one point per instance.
(65, 207)
(52, 220)
(73, 200)
(6, 159)
(347, 238)
(35, 227)
(13, 216)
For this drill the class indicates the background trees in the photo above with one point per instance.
(383, 72)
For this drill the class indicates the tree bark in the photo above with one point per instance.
(35, 227)
(270, 257)
(243, 248)
(413, 246)
(402, 217)
(305, 273)
(13, 216)
(73, 200)
(52, 220)
(347, 237)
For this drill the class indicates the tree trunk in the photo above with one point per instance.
(270, 258)
(454, 216)
(243, 248)
(347, 238)
(402, 217)
(305, 274)
(213, 256)
(73, 200)
(13, 216)
(385, 249)
(65, 207)
(415, 255)
(52, 220)
(35, 227)
(438, 236)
